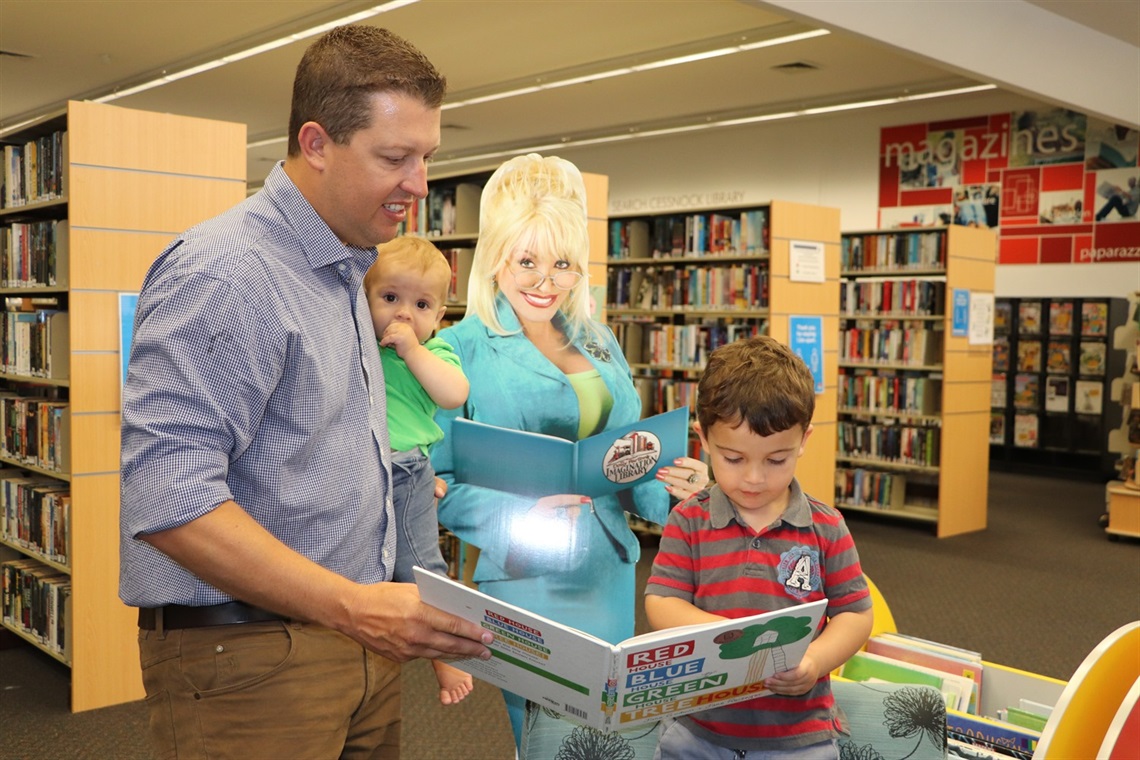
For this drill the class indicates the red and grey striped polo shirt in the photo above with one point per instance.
(712, 559)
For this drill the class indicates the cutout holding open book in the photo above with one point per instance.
(640, 680)
(533, 464)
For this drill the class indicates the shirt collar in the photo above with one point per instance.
(797, 513)
(321, 245)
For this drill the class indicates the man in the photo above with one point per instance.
(257, 532)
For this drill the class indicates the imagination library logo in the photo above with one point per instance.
(631, 456)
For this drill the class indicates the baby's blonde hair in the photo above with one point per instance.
(411, 253)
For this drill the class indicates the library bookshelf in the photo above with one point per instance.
(914, 397)
(120, 184)
(684, 282)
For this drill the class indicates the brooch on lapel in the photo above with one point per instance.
(594, 349)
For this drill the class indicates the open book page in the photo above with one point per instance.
(533, 464)
(640, 680)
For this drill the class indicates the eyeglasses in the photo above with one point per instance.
(563, 279)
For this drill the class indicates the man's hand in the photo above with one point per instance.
(390, 619)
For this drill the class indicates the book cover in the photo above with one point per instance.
(1029, 318)
(640, 680)
(1094, 318)
(1026, 390)
(930, 658)
(997, 428)
(1060, 317)
(1029, 356)
(1001, 354)
(533, 464)
(1056, 393)
(1089, 397)
(997, 391)
(1012, 740)
(1092, 359)
(1057, 357)
(1003, 316)
(1025, 430)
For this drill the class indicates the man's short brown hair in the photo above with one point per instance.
(759, 381)
(344, 68)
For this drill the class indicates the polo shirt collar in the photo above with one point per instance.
(797, 514)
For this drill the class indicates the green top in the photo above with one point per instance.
(411, 411)
(594, 401)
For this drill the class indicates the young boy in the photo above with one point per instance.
(754, 542)
(406, 290)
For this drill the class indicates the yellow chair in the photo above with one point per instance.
(884, 620)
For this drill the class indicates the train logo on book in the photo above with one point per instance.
(631, 456)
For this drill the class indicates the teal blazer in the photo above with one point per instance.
(513, 385)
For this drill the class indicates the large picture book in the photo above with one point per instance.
(533, 464)
(640, 680)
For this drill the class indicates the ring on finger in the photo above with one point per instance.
(694, 478)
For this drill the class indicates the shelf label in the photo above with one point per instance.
(960, 312)
(981, 319)
(807, 263)
(805, 338)
(127, 304)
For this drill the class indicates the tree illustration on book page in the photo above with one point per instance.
(759, 641)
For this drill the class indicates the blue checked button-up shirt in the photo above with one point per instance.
(254, 376)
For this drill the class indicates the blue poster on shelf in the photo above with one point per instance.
(960, 313)
(805, 338)
(127, 304)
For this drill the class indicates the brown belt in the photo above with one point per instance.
(178, 616)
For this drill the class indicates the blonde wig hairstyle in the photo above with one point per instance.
(537, 203)
(415, 254)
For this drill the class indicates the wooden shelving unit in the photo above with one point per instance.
(914, 398)
(132, 181)
(735, 281)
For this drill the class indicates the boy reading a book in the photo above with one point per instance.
(755, 542)
(407, 292)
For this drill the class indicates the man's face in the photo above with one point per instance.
(368, 184)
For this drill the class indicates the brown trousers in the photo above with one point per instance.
(269, 690)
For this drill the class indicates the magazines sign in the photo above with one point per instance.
(1058, 186)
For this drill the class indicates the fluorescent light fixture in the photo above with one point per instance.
(256, 50)
(634, 134)
(783, 40)
(686, 59)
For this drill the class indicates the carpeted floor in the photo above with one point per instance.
(1036, 591)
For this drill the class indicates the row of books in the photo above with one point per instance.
(660, 395)
(36, 343)
(35, 514)
(683, 346)
(35, 431)
(869, 489)
(986, 717)
(33, 171)
(460, 260)
(917, 445)
(913, 297)
(1031, 319)
(36, 601)
(447, 210)
(894, 251)
(1052, 356)
(1062, 394)
(891, 342)
(860, 391)
(34, 253)
(732, 287)
(743, 233)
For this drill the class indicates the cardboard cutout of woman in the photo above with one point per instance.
(537, 362)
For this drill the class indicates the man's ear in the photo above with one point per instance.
(314, 141)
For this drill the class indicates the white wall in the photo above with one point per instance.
(824, 160)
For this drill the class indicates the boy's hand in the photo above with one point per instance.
(399, 335)
(799, 680)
